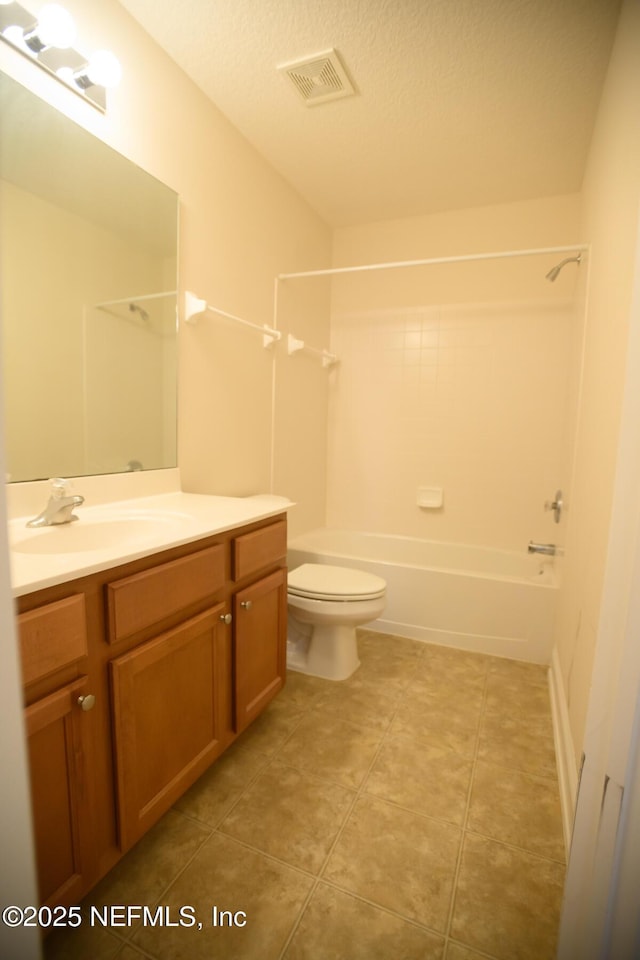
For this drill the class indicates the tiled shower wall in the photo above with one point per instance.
(474, 398)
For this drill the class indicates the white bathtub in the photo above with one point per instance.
(475, 598)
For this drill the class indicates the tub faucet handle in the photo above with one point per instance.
(555, 506)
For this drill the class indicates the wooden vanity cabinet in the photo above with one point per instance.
(260, 621)
(57, 744)
(169, 696)
(181, 697)
(259, 656)
(136, 679)
(53, 647)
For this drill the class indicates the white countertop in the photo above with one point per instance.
(114, 533)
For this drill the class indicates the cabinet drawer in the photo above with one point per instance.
(52, 637)
(146, 598)
(257, 550)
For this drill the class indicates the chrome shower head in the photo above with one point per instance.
(553, 273)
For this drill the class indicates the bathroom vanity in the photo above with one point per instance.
(138, 674)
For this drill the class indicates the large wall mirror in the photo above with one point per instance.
(88, 261)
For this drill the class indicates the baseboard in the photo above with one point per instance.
(510, 647)
(565, 753)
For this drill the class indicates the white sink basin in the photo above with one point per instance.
(104, 533)
(107, 534)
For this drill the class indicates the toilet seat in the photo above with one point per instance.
(320, 581)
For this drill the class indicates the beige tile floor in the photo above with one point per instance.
(408, 813)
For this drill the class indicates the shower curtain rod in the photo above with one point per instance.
(575, 248)
(146, 296)
(194, 307)
(265, 330)
(294, 346)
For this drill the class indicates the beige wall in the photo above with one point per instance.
(301, 402)
(455, 376)
(241, 224)
(610, 199)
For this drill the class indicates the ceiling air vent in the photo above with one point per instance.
(319, 78)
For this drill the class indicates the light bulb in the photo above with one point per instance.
(15, 35)
(65, 74)
(104, 69)
(55, 27)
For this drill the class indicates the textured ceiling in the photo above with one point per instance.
(460, 103)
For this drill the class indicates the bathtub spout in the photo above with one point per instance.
(548, 549)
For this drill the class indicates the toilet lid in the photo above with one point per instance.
(320, 581)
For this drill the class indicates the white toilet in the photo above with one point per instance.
(325, 605)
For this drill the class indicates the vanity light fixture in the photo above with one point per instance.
(47, 40)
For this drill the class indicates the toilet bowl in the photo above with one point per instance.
(325, 605)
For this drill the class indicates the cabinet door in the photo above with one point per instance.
(168, 706)
(55, 730)
(260, 638)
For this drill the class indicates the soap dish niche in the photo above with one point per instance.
(430, 498)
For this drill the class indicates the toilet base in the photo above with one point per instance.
(330, 652)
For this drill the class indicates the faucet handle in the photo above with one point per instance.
(555, 506)
(59, 487)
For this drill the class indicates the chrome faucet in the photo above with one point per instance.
(548, 549)
(59, 509)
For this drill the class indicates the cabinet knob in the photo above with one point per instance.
(87, 702)
(226, 617)
(246, 604)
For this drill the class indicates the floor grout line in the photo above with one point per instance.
(463, 828)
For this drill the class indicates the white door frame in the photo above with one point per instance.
(601, 910)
